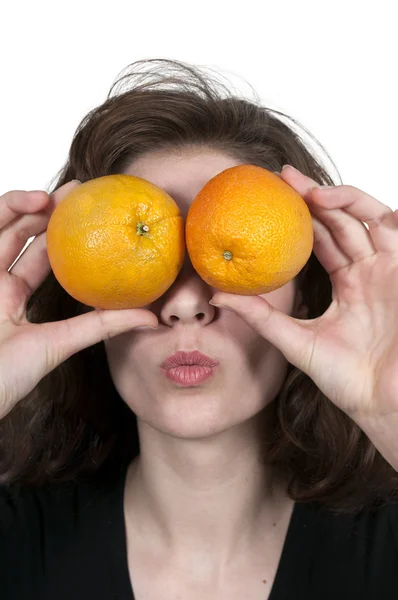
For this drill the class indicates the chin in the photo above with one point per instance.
(197, 418)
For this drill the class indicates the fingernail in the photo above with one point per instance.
(291, 166)
(143, 327)
(75, 181)
(220, 306)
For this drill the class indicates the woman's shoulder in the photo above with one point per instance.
(23, 505)
(342, 554)
(373, 528)
(379, 513)
(53, 503)
(54, 538)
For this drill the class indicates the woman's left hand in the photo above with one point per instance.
(351, 351)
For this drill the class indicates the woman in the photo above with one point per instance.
(275, 478)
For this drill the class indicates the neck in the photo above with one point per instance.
(215, 494)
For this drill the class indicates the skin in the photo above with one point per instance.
(198, 490)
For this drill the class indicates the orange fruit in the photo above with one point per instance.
(248, 232)
(116, 242)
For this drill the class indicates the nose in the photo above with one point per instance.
(187, 300)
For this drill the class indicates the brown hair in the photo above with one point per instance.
(74, 424)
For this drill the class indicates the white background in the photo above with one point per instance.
(331, 65)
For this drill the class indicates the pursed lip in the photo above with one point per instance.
(188, 358)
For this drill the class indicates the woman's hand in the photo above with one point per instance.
(28, 351)
(351, 351)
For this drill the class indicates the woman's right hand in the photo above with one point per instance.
(28, 351)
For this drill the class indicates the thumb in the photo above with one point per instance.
(69, 336)
(289, 335)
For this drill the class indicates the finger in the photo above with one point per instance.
(13, 238)
(298, 181)
(33, 265)
(14, 204)
(65, 338)
(383, 226)
(284, 332)
(326, 249)
(60, 193)
(350, 234)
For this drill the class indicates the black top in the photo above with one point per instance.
(63, 542)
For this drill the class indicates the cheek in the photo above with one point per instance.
(118, 346)
(120, 352)
(259, 369)
(128, 357)
(283, 298)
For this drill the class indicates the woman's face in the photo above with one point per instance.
(250, 371)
